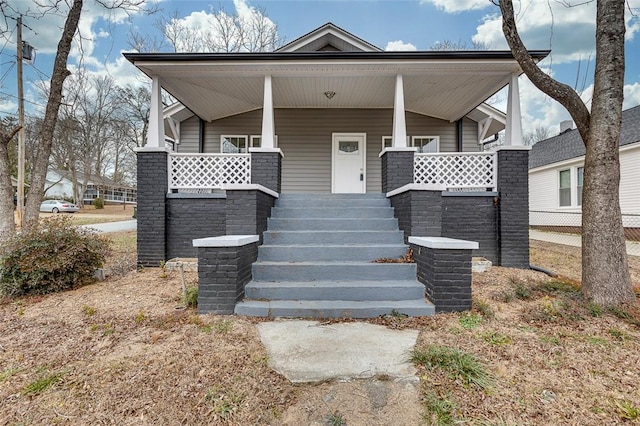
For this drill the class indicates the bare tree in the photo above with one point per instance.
(8, 130)
(536, 135)
(446, 45)
(605, 271)
(58, 76)
(224, 32)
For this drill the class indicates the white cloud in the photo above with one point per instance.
(399, 45)
(568, 31)
(8, 106)
(631, 95)
(455, 6)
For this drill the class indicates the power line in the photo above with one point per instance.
(28, 101)
(13, 64)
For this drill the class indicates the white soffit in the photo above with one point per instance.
(442, 89)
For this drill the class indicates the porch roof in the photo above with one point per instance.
(445, 85)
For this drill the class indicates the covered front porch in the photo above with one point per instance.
(317, 111)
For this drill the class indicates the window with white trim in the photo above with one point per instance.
(233, 144)
(426, 144)
(387, 141)
(580, 179)
(564, 195)
(256, 141)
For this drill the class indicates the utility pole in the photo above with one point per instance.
(21, 144)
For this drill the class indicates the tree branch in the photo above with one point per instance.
(558, 91)
(5, 139)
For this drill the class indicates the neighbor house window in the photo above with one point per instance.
(565, 188)
(580, 171)
(426, 144)
(233, 144)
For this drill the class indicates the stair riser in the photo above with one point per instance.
(281, 224)
(334, 272)
(332, 238)
(272, 311)
(327, 213)
(336, 204)
(310, 292)
(323, 253)
(302, 196)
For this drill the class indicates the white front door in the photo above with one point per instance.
(348, 172)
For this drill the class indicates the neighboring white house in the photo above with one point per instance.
(59, 184)
(556, 167)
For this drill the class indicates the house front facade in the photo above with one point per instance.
(556, 170)
(334, 118)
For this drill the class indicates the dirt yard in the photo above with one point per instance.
(125, 351)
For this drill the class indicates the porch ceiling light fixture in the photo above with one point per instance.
(329, 94)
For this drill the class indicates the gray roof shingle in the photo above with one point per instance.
(569, 144)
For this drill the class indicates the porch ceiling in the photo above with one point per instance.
(446, 89)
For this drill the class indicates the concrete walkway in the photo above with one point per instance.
(633, 247)
(308, 351)
(125, 225)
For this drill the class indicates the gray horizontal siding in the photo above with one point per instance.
(304, 135)
(189, 129)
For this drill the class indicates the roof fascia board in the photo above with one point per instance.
(136, 58)
(323, 30)
(579, 159)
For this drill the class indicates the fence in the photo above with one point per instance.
(565, 227)
(200, 171)
(456, 170)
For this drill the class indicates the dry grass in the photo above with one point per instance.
(119, 352)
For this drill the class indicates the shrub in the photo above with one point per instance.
(54, 256)
(98, 203)
(191, 297)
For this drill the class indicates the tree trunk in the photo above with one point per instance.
(58, 76)
(605, 271)
(7, 218)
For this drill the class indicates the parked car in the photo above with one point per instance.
(57, 206)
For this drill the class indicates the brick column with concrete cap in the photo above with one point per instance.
(266, 167)
(151, 211)
(513, 186)
(224, 268)
(397, 167)
(444, 267)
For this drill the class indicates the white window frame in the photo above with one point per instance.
(436, 138)
(390, 138)
(246, 142)
(570, 187)
(578, 186)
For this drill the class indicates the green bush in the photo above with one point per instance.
(98, 203)
(54, 256)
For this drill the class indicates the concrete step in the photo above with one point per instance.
(304, 224)
(333, 202)
(332, 271)
(332, 237)
(335, 290)
(333, 308)
(349, 253)
(326, 196)
(332, 212)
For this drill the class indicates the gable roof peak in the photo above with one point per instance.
(329, 34)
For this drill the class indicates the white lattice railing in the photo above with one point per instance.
(456, 170)
(205, 171)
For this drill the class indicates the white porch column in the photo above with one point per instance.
(155, 135)
(513, 127)
(268, 124)
(399, 136)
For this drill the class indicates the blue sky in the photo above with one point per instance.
(399, 24)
